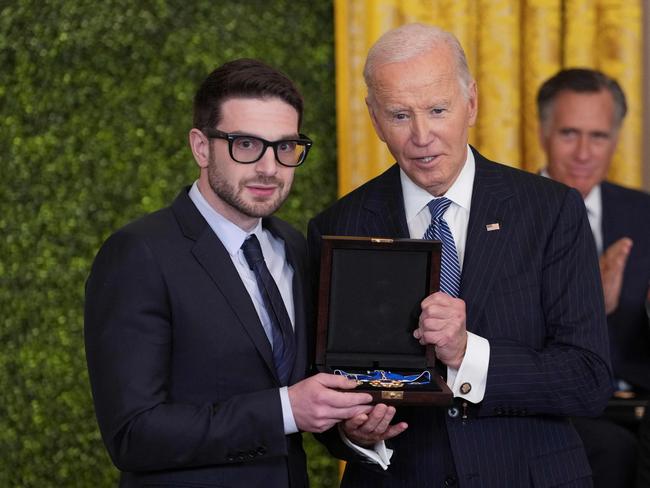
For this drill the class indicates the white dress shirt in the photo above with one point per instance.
(232, 237)
(594, 204)
(473, 369)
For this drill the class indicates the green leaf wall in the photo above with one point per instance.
(95, 106)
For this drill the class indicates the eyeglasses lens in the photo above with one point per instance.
(248, 149)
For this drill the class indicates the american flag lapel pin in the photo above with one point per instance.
(491, 227)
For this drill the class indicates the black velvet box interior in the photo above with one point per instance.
(369, 303)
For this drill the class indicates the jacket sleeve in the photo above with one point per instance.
(130, 346)
(555, 359)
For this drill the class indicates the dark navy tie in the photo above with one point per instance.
(439, 230)
(284, 347)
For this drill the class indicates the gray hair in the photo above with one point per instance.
(579, 80)
(410, 40)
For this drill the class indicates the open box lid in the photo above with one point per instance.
(369, 302)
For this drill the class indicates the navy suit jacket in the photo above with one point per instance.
(532, 288)
(181, 370)
(626, 213)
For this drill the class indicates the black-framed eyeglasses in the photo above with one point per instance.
(247, 149)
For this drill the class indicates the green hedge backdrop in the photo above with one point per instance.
(95, 106)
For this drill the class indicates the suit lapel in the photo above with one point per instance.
(385, 204)
(215, 260)
(300, 326)
(484, 248)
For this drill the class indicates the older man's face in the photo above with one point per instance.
(420, 111)
(579, 138)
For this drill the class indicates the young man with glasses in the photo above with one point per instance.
(196, 316)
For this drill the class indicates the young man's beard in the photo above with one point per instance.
(233, 195)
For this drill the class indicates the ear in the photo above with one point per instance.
(543, 137)
(200, 146)
(373, 118)
(540, 135)
(473, 103)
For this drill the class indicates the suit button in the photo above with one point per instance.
(453, 412)
(261, 450)
(230, 458)
(450, 481)
(498, 411)
(465, 388)
(252, 454)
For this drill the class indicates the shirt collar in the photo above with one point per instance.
(460, 192)
(231, 235)
(593, 202)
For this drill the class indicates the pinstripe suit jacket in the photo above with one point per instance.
(627, 213)
(532, 289)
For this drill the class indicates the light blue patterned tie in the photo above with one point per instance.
(439, 230)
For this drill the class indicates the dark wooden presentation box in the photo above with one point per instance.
(368, 307)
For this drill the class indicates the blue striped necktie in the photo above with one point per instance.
(284, 345)
(439, 230)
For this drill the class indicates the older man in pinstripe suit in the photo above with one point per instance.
(524, 342)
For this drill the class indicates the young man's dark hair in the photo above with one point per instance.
(245, 78)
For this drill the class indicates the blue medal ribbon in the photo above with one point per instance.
(387, 379)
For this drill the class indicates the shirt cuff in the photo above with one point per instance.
(379, 454)
(290, 426)
(470, 379)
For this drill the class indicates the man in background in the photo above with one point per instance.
(519, 322)
(581, 112)
(643, 471)
(197, 316)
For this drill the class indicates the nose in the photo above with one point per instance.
(583, 148)
(420, 131)
(267, 165)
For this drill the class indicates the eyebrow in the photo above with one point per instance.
(395, 108)
(599, 133)
(283, 137)
(445, 102)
